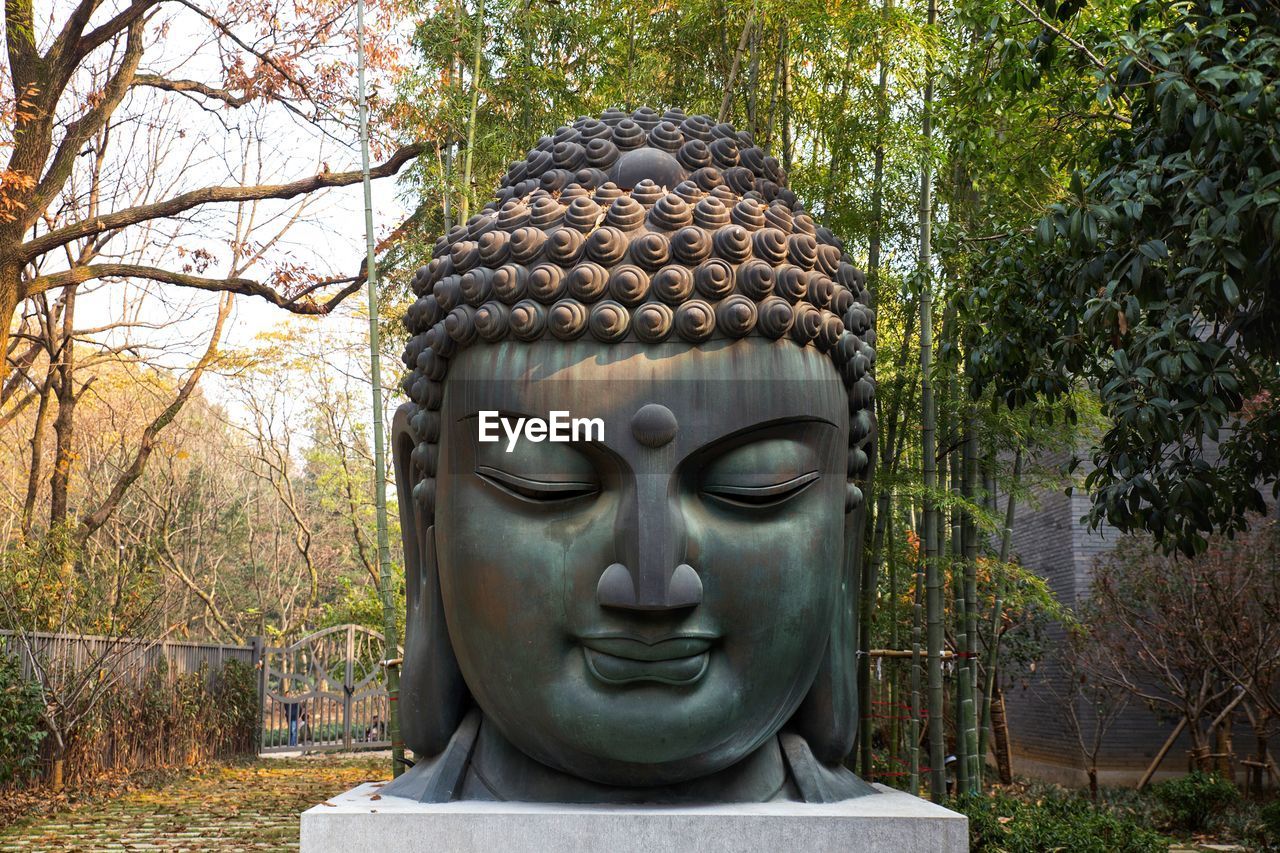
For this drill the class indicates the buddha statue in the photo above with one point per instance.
(659, 607)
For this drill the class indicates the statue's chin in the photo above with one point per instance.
(616, 771)
(540, 772)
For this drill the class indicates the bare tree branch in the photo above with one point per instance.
(146, 445)
(154, 81)
(207, 195)
(300, 304)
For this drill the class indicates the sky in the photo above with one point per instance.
(189, 147)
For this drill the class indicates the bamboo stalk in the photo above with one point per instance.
(723, 115)
(471, 120)
(993, 647)
(916, 666)
(390, 629)
(933, 574)
(969, 543)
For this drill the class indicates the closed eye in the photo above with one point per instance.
(761, 496)
(539, 491)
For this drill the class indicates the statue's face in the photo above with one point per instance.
(653, 606)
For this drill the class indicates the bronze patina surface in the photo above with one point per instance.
(665, 611)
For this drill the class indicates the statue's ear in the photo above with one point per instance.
(828, 717)
(433, 696)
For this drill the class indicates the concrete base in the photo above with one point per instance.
(361, 820)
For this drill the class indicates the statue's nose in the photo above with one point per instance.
(681, 588)
(649, 536)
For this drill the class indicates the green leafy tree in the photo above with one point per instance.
(1153, 279)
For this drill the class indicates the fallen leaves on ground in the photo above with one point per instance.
(241, 806)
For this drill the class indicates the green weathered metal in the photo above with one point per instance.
(665, 611)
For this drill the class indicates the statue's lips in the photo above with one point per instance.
(620, 660)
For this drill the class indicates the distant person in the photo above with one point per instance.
(376, 730)
(292, 712)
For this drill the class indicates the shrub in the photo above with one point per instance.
(20, 728)
(1270, 816)
(236, 698)
(1191, 801)
(1001, 823)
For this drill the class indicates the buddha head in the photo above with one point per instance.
(632, 470)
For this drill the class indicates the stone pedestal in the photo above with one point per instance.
(887, 822)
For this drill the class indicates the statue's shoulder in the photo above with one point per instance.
(439, 778)
(815, 781)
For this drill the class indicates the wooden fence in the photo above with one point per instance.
(128, 658)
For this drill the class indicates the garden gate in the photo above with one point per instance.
(325, 692)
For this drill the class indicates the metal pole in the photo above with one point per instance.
(390, 632)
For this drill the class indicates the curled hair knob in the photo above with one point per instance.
(493, 319)
(691, 245)
(493, 248)
(629, 284)
(713, 279)
(755, 279)
(477, 286)
(526, 243)
(775, 317)
(733, 243)
(461, 324)
(528, 320)
(650, 250)
(583, 214)
(565, 246)
(609, 321)
(736, 315)
(670, 212)
(672, 284)
(567, 319)
(626, 213)
(647, 192)
(804, 328)
(546, 283)
(606, 246)
(770, 244)
(510, 283)
(695, 321)
(587, 281)
(653, 322)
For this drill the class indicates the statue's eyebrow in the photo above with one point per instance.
(746, 433)
(775, 423)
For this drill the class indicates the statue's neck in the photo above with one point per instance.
(499, 771)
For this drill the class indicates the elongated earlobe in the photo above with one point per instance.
(433, 696)
(828, 717)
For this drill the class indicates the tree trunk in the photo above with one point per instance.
(56, 774)
(37, 458)
(1000, 737)
(1223, 750)
(1260, 747)
(64, 424)
(10, 291)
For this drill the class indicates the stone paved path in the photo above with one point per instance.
(253, 806)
